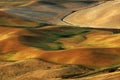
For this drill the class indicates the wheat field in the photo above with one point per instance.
(12, 3)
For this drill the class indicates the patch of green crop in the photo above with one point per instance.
(47, 39)
(7, 56)
(47, 45)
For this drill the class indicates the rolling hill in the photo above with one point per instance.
(11, 20)
(106, 15)
(57, 44)
(38, 40)
(51, 12)
(12, 3)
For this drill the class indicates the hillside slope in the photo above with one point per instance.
(52, 12)
(36, 43)
(12, 20)
(60, 44)
(106, 15)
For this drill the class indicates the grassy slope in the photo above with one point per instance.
(58, 44)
